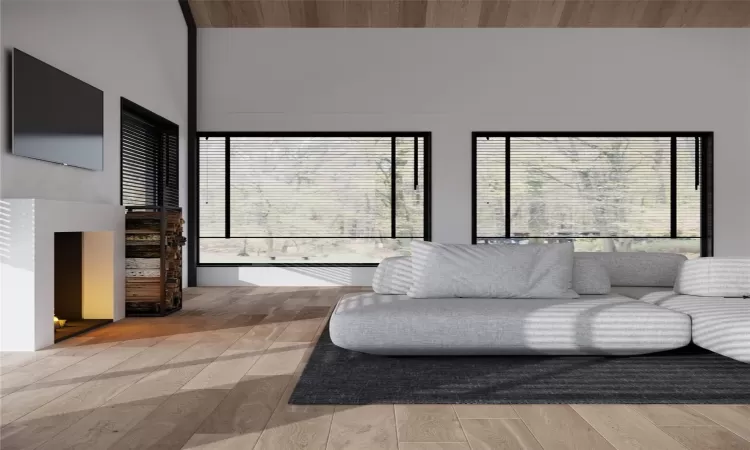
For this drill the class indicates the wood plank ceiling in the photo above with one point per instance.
(470, 13)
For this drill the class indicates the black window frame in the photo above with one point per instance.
(426, 182)
(166, 183)
(705, 179)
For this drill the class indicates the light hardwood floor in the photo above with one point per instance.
(218, 374)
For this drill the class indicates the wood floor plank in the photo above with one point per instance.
(77, 400)
(485, 412)
(122, 407)
(281, 358)
(363, 427)
(267, 331)
(313, 312)
(227, 370)
(735, 418)
(86, 349)
(559, 427)
(326, 297)
(174, 418)
(31, 373)
(241, 417)
(499, 434)
(706, 438)
(433, 446)
(55, 386)
(672, 415)
(626, 429)
(13, 360)
(300, 331)
(297, 428)
(10, 361)
(173, 422)
(280, 316)
(148, 393)
(428, 423)
(43, 424)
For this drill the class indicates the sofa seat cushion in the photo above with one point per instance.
(720, 324)
(637, 292)
(595, 324)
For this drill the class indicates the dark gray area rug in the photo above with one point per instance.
(689, 375)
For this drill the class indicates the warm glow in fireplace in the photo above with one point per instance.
(59, 323)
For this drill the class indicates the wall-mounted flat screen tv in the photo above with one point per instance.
(55, 117)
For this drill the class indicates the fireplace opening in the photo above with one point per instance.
(69, 318)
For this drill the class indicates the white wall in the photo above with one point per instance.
(453, 82)
(135, 49)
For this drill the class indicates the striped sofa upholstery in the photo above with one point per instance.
(720, 324)
(715, 277)
(393, 276)
(632, 274)
(591, 325)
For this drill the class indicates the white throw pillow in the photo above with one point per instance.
(492, 271)
(714, 277)
(393, 276)
(590, 277)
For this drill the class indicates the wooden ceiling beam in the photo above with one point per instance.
(471, 13)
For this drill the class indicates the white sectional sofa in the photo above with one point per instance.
(389, 322)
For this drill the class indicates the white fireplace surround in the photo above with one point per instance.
(27, 232)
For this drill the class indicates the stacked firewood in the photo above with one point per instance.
(154, 262)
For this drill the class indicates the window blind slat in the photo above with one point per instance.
(140, 161)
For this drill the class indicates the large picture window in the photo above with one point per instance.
(604, 191)
(311, 198)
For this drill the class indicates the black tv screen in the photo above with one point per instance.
(56, 117)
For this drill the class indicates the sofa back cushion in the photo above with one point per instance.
(638, 268)
(590, 277)
(393, 276)
(715, 277)
(492, 271)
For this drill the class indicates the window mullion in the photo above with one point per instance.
(416, 163)
(673, 187)
(697, 163)
(507, 187)
(227, 176)
(393, 187)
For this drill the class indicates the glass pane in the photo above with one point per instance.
(289, 251)
(490, 172)
(590, 186)
(211, 186)
(688, 247)
(688, 191)
(410, 187)
(312, 187)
